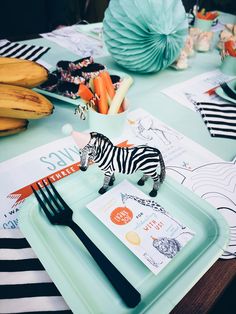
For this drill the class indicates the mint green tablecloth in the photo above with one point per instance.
(144, 93)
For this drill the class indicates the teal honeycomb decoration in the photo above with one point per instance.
(145, 36)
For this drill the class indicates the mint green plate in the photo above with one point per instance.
(221, 93)
(69, 100)
(78, 278)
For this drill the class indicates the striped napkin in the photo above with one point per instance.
(21, 51)
(220, 119)
(25, 286)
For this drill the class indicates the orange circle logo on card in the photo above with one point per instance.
(121, 215)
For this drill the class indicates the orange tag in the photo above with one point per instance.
(121, 215)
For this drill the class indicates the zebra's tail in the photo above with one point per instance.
(162, 169)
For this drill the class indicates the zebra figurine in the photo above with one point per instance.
(125, 160)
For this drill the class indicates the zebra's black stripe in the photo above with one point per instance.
(20, 265)
(105, 157)
(123, 159)
(119, 156)
(132, 155)
(126, 160)
(140, 161)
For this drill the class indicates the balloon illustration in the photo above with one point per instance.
(133, 238)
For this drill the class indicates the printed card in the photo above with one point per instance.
(142, 224)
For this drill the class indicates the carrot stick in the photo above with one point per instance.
(201, 16)
(108, 83)
(100, 91)
(84, 92)
(211, 15)
(120, 95)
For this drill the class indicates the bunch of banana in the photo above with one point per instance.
(9, 126)
(18, 102)
(22, 72)
(23, 103)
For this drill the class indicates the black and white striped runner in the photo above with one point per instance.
(220, 119)
(22, 51)
(25, 286)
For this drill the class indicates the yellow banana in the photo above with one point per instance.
(9, 126)
(5, 60)
(22, 72)
(23, 103)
